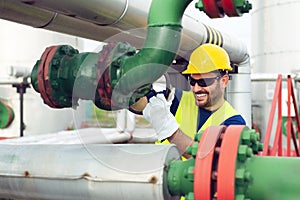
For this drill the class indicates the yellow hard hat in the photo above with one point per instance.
(207, 58)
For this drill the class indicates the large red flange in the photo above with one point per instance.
(104, 87)
(43, 76)
(204, 162)
(227, 162)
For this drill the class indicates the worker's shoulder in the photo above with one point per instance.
(235, 120)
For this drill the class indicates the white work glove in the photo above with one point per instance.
(157, 112)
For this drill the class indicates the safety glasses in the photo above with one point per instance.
(203, 82)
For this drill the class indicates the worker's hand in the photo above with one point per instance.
(157, 112)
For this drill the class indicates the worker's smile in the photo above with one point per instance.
(201, 95)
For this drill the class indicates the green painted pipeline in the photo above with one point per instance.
(158, 51)
(273, 178)
(6, 115)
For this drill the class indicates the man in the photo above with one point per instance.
(199, 108)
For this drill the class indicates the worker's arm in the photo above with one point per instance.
(182, 141)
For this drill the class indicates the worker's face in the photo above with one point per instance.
(210, 91)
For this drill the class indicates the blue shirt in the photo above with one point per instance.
(204, 114)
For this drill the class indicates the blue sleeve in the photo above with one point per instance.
(152, 93)
(176, 100)
(234, 120)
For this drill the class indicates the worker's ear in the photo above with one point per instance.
(224, 80)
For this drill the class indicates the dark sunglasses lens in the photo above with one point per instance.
(209, 81)
(192, 82)
(203, 82)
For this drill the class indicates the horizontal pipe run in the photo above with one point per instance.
(273, 178)
(58, 172)
(87, 136)
(264, 77)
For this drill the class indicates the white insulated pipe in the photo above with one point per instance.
(239, 88)
(87, 136)
(101, 19)
(76, 172)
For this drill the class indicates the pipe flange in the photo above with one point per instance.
(103, 95)
(49, 73)
(204, 178)
(235, 8)
(43, 76)
(218, 8)
(109, 72)
(229, 8)
(211, 8)
(238, 144)
(227, 162)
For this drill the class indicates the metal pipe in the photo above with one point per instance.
(84, 21)
(7, 115)
(85, 171)
(276, 174)
(158, 52)
(88, 136)
(239, 89)
(10, 81)
(22, 13)
(261, 77)
(238, 92)
(103, 13)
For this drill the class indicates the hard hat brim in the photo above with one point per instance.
(190, 70)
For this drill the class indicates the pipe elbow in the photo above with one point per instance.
(137, 73)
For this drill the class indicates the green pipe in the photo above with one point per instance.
(6, 115)
(181, 177)
(273, 178)
(71, 76)
(158, 52)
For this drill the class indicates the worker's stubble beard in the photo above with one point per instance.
(214, 95)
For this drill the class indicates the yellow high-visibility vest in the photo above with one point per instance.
(187, 115)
